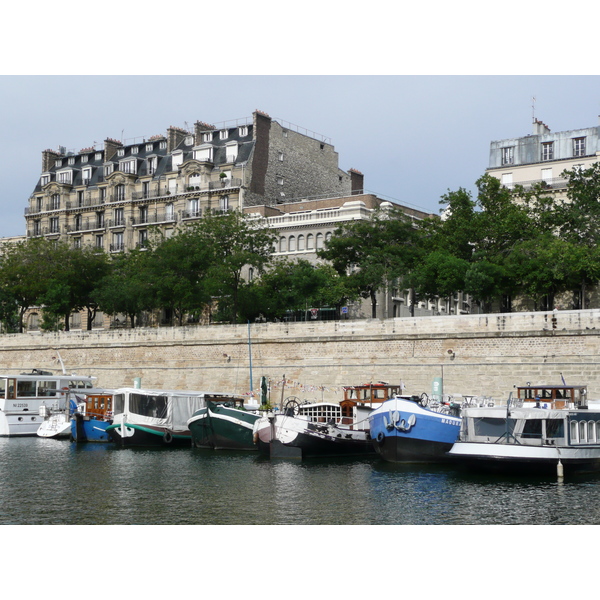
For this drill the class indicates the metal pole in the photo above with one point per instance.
(250, 355)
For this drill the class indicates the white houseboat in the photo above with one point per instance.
(546, 429)
(28, 398)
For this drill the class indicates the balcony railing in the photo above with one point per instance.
(150, 219)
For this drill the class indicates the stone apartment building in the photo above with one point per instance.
(110, 196)
(542, 156)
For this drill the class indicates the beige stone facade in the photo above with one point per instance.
(485, 355)
(113, 197)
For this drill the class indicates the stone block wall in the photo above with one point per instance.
(473, 354)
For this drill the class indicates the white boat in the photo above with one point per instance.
(546, 429)
(144, 417)
(301, 430)
(24, 398)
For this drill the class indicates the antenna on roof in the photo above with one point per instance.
(533, 109)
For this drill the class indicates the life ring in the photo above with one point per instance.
(380, 437)
(168, 437)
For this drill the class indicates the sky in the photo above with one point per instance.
(414, 137)
(411, 97)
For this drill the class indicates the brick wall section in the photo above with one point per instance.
(482, 355)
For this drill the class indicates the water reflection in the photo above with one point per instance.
(46, 481)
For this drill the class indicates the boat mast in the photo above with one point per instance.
(62, 364)
(250, 356)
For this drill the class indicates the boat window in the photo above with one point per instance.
(492, 427)
(322, 413)
(80, 384)
(555, 428)
(378, 393)
(582, 431)
(148, 406)
(532, 428)
(46, 388)
(573, 431)
(591, 434)
(119, 403)
(25, 389)
(2, 388)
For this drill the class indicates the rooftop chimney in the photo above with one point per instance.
(540, 128)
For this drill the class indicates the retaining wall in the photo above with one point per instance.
(474, 354)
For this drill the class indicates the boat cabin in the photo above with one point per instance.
(367, 396)
(40, 384)
(98, 406)
(554, 396)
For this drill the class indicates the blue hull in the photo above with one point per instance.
(89, 430)
(403, 431)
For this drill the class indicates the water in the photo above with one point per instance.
(55, 482)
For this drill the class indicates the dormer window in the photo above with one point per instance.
(152, 162)
(98, 156)
(579, 146)
(71, 160)
(128, 166)
(84, 158)
(231, 151)
(189, 140)
(65, 177)
(108, 169)
(243, 131)
(204, 153)
(207, 137)
(58, 162)
(45, 179)
(508, 155)
(163, 145)
(87, 175)
(177, 159)
(548, 151)
(223, 134)
(149, 147)
(121, 152)
(134, 149)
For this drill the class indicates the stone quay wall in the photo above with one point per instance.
(484, 355)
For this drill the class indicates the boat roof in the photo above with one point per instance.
(159, 392)
(550, 386)
(45, 375)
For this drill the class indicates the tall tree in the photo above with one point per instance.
(236, 242)
(24, 271)
(372, 253)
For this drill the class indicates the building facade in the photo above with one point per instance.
(114, 196)
(542, 156)
(111, 196)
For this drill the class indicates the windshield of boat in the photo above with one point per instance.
(148, 406)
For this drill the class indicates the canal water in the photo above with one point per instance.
(46, 482)
(56, 482)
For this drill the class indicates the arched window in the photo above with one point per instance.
(292, 243)
(582, 431)
(300, 242)
(310, 242)
(283, 244)
(591, 433)
(319, 241)
(573, 432)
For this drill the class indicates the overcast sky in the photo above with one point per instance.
(413, 131)
(413, 137)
